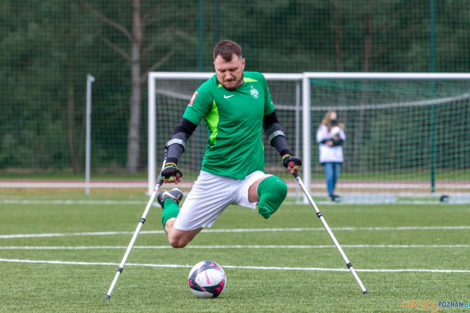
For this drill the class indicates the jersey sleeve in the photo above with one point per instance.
(199, 106)
(268, 102)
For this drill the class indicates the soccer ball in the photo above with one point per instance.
(207, 279)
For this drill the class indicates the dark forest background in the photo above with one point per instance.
(47, 48)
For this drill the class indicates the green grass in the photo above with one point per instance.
(81, 288)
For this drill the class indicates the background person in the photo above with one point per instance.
(236, 106)
(330, 137)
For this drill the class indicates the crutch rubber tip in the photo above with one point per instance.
(365, 292)
(107, 297)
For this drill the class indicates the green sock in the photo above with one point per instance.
(170, 209)
(271, 191)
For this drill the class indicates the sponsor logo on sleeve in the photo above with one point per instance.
(192, 99)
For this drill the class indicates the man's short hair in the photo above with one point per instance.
(226, 49)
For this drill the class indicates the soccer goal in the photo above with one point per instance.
(407, 133)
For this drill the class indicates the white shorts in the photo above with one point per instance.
(209, 197)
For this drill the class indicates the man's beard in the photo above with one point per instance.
(235, 83)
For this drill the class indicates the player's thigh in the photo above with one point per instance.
(247, 195)
(210, 195)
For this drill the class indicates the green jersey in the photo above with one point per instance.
(234, 121)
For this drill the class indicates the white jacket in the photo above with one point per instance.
(327, 153)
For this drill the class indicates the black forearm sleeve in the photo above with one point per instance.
(280, 143)
(174, 153)
(177, 142)
(275, 134)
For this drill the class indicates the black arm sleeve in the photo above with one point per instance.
(185, 126)
(176, 144)
(275, 134)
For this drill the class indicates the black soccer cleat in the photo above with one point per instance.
(174, 194)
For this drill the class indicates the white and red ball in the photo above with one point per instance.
(207, 279)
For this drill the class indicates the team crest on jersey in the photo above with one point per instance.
(254, 92)
(192, 99)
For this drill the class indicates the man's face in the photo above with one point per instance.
(229, 74)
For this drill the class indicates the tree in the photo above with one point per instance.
(138, 70)
(69, 38)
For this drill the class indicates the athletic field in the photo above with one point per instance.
(59, 252)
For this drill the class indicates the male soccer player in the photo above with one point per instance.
(236, 106)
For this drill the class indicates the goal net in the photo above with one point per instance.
(407, 136)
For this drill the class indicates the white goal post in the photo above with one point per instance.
(308, 99)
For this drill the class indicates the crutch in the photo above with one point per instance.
(322, 219)
(137, 230)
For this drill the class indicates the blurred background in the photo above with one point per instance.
(47, 48)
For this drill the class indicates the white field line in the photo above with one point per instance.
(71, 202)
(234, 266)
(227, 247)
(289, 201)
(242, 230)
(384, 185)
